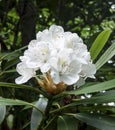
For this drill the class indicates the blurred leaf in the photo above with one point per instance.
(2, 113)
(13, 54)
(110, 52)
(99, 43)
(3, 33)
(62, 125)
(27, 124)
(37, 116)
(10, 120)
(12, 13)
(7, 64)
(8, 71)
(93, 88)
(101, 122)
(67, 123)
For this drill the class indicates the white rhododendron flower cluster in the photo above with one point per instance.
(61, 54)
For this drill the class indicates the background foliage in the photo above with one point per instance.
(19, 22)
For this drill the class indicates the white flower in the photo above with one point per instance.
(62, 55)
(44, 36)
(25, 72)
(68, 74)
(37, 55)
(64, 68)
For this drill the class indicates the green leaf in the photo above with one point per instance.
(99, 43)
(106, 97)
(9, 102)
(101, 122)
(93, 88)
(96, 108)
(110, 52)
(37, 116)
(67, 123)
(13, 85)
(62, 125)
(100, 98)
(16, 102)
(2, 113)
(7, 64)
(20, 86)
(12, 54)
(71, 123)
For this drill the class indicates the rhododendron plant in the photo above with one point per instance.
(59, 62)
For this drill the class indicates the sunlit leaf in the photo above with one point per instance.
(99, 43)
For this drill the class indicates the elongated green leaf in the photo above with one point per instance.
(37, 116)
(101, 122)
(2, 113)
(9, 102)
(4, 84)
(12, 54)
(93, 88)
(110, 52)
(99, 43)
(96, 108)
(13, 85)
(15, 102)
(9, 71)
(102, 98)
(62, 125)
(106, 97)
(9, 64)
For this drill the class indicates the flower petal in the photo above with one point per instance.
(25, 72)
(89, 70)
(56, 29)
(55, 76)
(69, 79)
(45, 68)
(21, 80)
